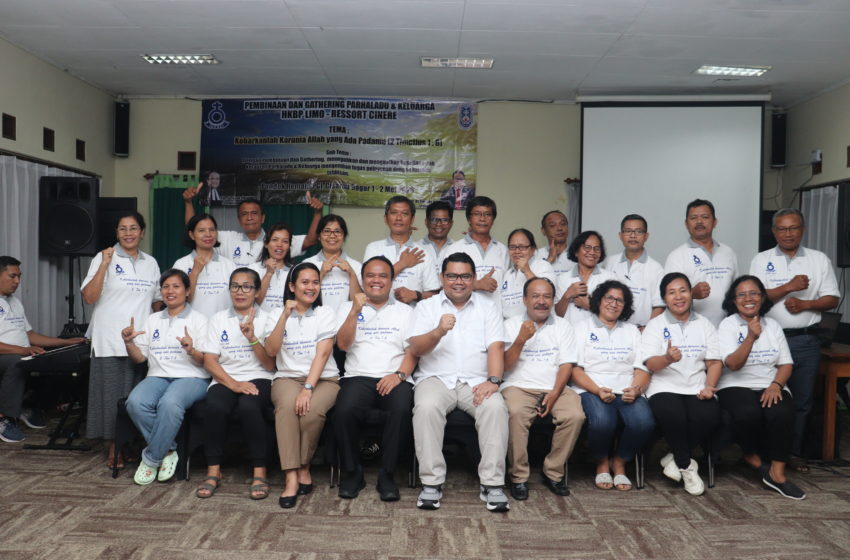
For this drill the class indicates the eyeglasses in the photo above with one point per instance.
(789, 229)
(613, 300)
(518, 247)
(244, 288)
(753, 294)
(591, 248)
(452, 277)
(633, 232)
(131, 229)
(481, 214)
(438, 221)
(332, 232)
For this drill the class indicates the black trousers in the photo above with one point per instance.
(357, 395)
(220, 404)
(767, 431)
(685, 421)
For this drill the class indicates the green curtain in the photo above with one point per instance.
(167, 225)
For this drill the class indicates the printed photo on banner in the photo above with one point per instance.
(346, 151)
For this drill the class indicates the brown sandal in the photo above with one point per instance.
(205, 489)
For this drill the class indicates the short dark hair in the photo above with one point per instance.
(400, 199)
(250, 201)
(549, 213)
(332, 218)
(456, 171)
(439, 205)
(526, 233)
(530, 280)
(294, 272)
(630, 217)
(572, 250)
(788, 212)
(140, 220)
(700, 202)
(669, 277)
(458, 258)
(729, 299)
(380, 258)
(255, 276)
(184, 278)
(603, 288)
(484, 201)
(6, 261)
(279, 226)
(192, 224)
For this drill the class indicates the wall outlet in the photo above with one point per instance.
(817, 156)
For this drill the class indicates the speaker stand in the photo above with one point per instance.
(71, 328)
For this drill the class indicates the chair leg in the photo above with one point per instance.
(710, 460)
(413, 476)
(639, 470)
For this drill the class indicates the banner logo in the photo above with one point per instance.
(464, 117)
(216, 119)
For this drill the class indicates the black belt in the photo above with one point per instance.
(803, 331)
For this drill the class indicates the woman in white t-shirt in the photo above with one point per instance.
(574, 287)
(209, 272)
(611, 380)
(523, 266)
(273, 266)
(176, 376)
(752, 389)
(339, 273)
(306, 382)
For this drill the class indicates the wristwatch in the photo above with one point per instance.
(495, 380)
(401, 375)
(309, 386)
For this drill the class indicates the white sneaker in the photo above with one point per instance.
(693, 483)
(429, 497)
(495, 498)
(670, 469)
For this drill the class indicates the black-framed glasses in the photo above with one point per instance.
(452, 277)
(244, 288)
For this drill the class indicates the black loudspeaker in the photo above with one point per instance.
(766, 239)
(67, 215)
(121, 143)
(777, 140)
(842, 246)
(109, 209)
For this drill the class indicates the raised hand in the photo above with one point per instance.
(410, 257)
(359, 301)
(701, 291)
(247, 326)
(673, 353)
(754, 327)
(129, 333)
(526, 330)
(186, 341)
(447, 323)
(314, 203)
(487, 283)
(106, 255)
(799, 283)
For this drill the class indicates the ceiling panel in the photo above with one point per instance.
(435, 42)
(535, 42)
(415, 14)
(200, 13)
(522, 16)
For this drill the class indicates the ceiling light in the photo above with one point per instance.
(436, 62)
(737, 71)
(181, 58)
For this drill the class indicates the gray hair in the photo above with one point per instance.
(788, 212)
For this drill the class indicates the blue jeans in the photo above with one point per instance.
(603, 419)
(157, 405)
(805, 351)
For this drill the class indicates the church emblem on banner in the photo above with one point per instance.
(216, 119)
(464, 117)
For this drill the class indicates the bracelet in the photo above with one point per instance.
(778, 383)
(255, 342)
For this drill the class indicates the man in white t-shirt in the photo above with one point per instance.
(555, 228)
(801, 283)
(708, 264)
(17, 340)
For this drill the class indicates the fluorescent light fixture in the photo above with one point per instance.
(737, 71)
(181, 58)
(437, 62)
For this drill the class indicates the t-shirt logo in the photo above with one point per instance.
(224, 336)
(740, 338)
(697, 261)
(666, 333)
(361, 318)
(2, 310)
(770, 267)
(118, 269)
(237, 252)
(593, 337)
(189, 271)
(505, 285)
(156, 334)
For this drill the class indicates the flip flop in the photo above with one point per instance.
(259, 491)
(604, 481)
(622, 480)
(204, 487)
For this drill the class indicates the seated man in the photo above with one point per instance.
(17, 339)
(458, 337)
(377, 375)
(540, 354)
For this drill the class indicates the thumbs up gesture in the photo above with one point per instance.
(487, 283)
(673, 353)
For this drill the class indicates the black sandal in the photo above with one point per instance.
(259, 491)
(204, 487)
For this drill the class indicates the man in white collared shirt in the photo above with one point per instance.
(637, 270)
(801, 283)
(555, 228)
(415, 277)
(708, 264)
(439, 217)
(490, 256)
(458, 337)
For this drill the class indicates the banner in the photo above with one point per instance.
(349, 151)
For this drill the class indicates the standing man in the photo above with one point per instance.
(801, 283)
(490, 256)
(378, 371)
(458, 337)
(439, 217)
(555, 229)
(637, 270)
(415, 277)
(709, 266)
(541, 352)
(17, 340)
(245, 247)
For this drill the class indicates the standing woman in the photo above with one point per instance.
(121, 284)
(306, 382)
(176, 376)
(209, 272)
(576, 285)
(611, 380)
(242, 378)
(338, 273)
(273, 266)
(523, 266)
(752, 387)
(681, 349)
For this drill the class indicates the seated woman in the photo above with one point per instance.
(242, 379)
(575, 286)
(306, 382)
(273, 266)
(176, 376)
(752, 387)
(681, 349)
(208, 271)
(611, 379)
(523, 266)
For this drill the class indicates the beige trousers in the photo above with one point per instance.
(298, 436)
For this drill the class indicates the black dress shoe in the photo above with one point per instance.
(287, 502)
(351, 485)
(387, 488)
(304, 489)
(556, 487)
(519, 490)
